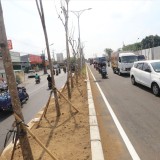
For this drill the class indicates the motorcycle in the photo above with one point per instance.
(64, 69)
(50, 85)
(104, 73)
(37, 81)
(5, 99)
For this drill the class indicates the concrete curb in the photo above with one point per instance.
(96, 146)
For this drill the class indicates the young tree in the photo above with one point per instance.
(108, 51)
(11, 81)
(75, 54)
(41, 14)
(65, 9)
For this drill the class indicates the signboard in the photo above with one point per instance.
(15, 56)
(35, 59)
(9, 44)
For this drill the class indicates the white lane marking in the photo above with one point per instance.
(125, 138)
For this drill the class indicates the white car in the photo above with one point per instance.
(147, 73)
(31, 74)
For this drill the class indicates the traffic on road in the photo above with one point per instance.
(128, 116)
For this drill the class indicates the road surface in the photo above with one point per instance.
(38, 96)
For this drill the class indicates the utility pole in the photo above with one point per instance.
(11, 81)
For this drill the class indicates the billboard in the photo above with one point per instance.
(35, 59)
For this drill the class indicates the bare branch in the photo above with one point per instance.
(38, 8)
(59, 15)
(72, 45)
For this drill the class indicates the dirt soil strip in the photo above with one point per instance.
(68, 136)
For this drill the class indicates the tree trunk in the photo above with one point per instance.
(68, 55)
(49, 58)
(11, 81)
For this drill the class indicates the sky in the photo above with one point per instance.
(109, 24)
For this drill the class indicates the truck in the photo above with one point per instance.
(121, 62)
(98, 63)
(91, 61)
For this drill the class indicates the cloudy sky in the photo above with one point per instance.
(109, 24)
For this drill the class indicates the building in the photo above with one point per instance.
(31, 61)
(59, 57)
(16, 62)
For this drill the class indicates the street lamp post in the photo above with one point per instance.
(43, 59)
(137, 49)
(78, 14)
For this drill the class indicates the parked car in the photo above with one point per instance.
(5, 99)
(31, 74)
(147, 73)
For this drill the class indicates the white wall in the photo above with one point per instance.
(151, 53)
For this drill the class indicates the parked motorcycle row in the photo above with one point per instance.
(101, 68)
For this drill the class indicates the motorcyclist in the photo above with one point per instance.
(64, 69)
(104, 71)
(37, 78)
(49, 81)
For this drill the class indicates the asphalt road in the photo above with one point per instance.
(38, 94)
(138, 112)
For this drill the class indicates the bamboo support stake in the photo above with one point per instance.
(36, 139)
(67, 100)
(64, 87)
(62, 90)
(45, 109)
(79, 91)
